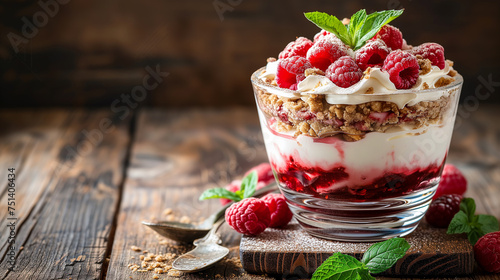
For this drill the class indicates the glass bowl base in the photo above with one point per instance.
(359, 221)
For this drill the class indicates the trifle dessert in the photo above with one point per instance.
(357, 125)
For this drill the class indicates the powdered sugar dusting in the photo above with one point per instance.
(293, 238)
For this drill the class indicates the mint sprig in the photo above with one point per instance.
(247, 189)
(378, 258)
(361, 28)
(475, 226)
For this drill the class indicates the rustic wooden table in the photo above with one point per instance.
(84, 180)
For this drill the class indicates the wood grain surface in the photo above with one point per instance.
(175, 155)
(65, 201)
(76, 210)
(93, 51)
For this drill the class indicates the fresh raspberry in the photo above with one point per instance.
(402, 68)
(249, 216)
(326, 51)
(442, 210)
(280, 212)
(452, 182)
(392, 37)
(344, 72)
(320, 35)
(433, 52)
(298, 47)
(487, 252)
(373, 53)
(264, 173)
(291, 71)
(234, 186)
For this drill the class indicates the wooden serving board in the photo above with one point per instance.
(291, 251)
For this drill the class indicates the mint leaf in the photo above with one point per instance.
(361, 28)
(219, 193)
(466, 221)
(468, 206)
(329, 23)
(365, 274)
(459, 224)
(339, 266)
(474, 235)
(356, 23)
(488, 223)
(383, 255)
(373, 23)
(249, 184)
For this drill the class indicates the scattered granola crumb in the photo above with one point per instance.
(425, 85)
(271, 59)
(314, 71)
(157, 263)
(185, 219)
(366, 74)
(370, 90)
(156, 277)
(174, 273)
(450, 62)
(135, 248)
(167, 212)
(425, 66)
(170, 217)
(452, 73)
(443, 81)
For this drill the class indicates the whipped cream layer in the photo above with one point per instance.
(364, 160)
(377, 80)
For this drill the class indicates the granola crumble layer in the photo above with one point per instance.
(313, 116)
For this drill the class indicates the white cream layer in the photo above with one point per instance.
(366, 159)
(378, 80)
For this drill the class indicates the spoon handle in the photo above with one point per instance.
(258, 193)
(212, 237)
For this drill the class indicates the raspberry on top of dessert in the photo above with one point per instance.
(371, 45)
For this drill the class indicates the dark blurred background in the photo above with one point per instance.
(73, 53)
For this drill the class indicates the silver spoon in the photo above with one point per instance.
(207, 252)
(184, 232)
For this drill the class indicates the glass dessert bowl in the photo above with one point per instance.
(359, 167)
(357, 126)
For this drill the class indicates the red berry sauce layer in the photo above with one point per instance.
(304, 179)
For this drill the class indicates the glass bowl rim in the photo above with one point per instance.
(458, 82)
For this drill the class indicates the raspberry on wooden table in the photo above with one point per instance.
(250, 216)
(373, 53)
(392, 37)
(443, 209)
(403, 69)
(344, 72)
(291, 71)
(431, 51)
(326, 51)
(452, 182)
(487, 252)
(299, 47)
(280, 212)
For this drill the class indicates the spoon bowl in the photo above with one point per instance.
(181, 232)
